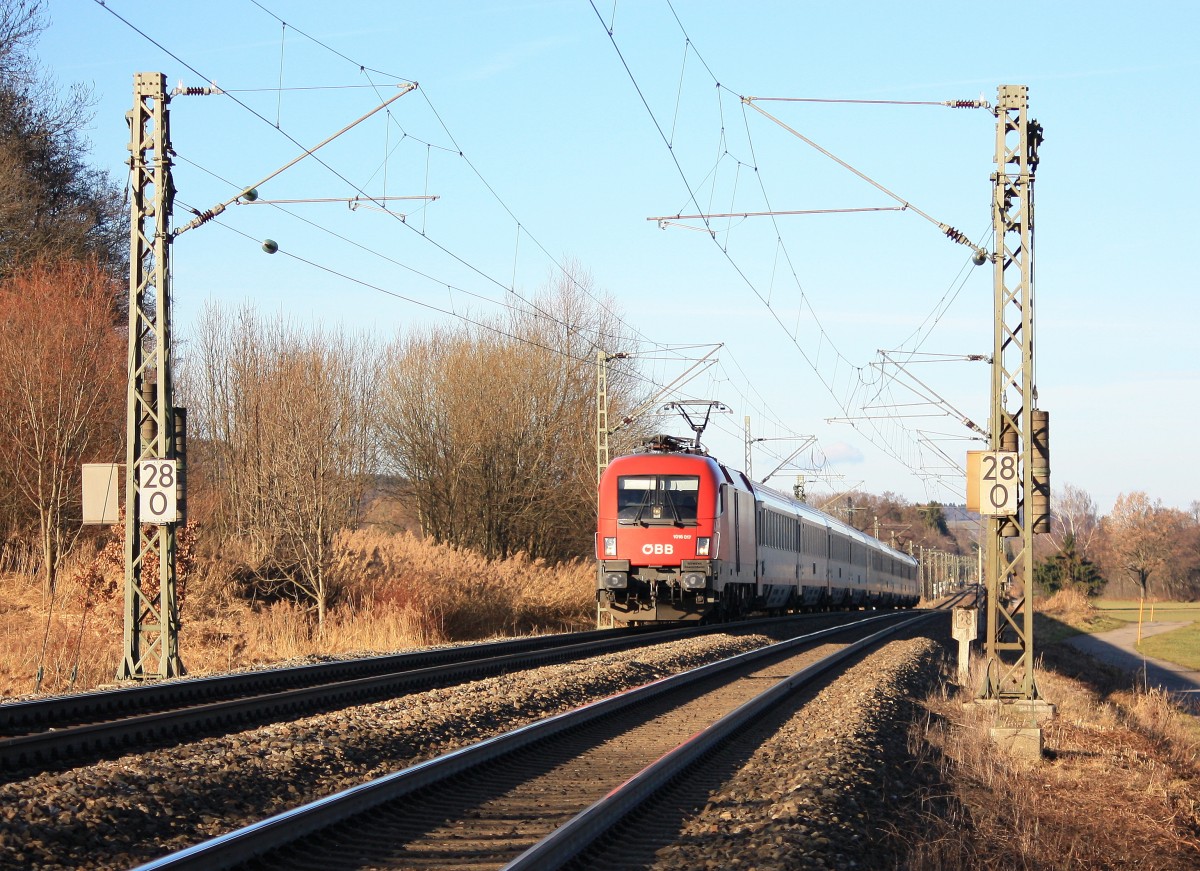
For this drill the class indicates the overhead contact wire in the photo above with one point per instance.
(888, 449)
(457, 150)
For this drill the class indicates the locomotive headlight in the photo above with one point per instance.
(610, 546)
(615, 580)
(693, 581)
(702, 545)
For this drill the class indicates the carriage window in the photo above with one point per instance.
(658, 499)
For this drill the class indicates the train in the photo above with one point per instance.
(682, 537)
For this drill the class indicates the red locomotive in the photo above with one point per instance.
(682, 537)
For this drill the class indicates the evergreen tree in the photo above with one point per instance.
(1068, 569)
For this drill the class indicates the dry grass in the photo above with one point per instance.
(1119, 787)
(1070, 604)
(1067, 613)
(72, 646)
(456, 594)
(396, 592)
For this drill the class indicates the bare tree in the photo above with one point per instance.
(1180, 576)
(61, 392)
(493, 428)
(1066, 557)
(21, 23)
(476, 425)
(1138, 537)
(286, 417)
(1074, 516)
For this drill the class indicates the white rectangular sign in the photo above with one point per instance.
(999, 482)
(100, 505)
(157, 490)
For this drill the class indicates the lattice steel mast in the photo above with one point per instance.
(151, 609)
(1015, 424)
(602, 430)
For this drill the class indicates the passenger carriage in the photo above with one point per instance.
(682, 537)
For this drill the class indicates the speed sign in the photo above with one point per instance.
(157, 489)
(999, 479)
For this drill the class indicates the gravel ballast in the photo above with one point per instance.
(822, 807)
(121, 812)
(826, 787)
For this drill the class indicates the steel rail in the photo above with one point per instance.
(408, 672)
(259, 838)
(589, 826)
(75, 742)
(57, 711)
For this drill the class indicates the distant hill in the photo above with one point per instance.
(956, 514)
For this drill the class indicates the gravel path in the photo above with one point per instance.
(1118, 648)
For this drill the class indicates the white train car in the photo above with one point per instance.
(809, 559)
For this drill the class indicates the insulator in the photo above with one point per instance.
(968, 104)
(1034, 138)
(957, 236)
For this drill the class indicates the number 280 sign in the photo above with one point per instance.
(993, 479)
(157, 483)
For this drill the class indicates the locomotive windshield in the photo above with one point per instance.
(654, 500)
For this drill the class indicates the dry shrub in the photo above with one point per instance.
(399, 592)
(279, 631)
(1071, 604)
(284, 631)
(382, 628)
(1159, 716)
(451, 594)
(18, 557)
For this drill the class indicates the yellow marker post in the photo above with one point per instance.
(1141, 605)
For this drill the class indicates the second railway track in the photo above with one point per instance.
(484, 805)
(117, 811)
(71, 730)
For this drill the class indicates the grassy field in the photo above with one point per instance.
(1180, 645)
(1064, 615)
(1163, 612)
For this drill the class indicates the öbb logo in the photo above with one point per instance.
(658, 549)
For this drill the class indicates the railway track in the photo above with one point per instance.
(487, 804)
(67, 731)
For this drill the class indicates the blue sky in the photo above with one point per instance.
(540, 147)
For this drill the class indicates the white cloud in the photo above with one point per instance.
(841, 453)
